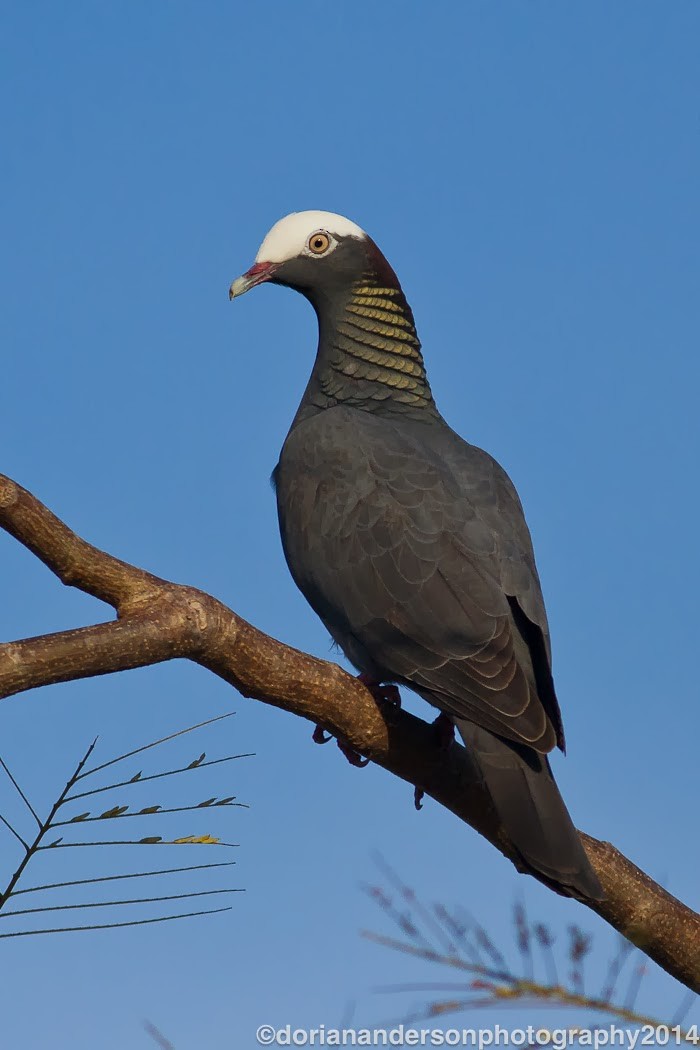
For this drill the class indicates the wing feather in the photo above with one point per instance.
(409, 557)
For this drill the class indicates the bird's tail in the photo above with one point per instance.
(532, 812)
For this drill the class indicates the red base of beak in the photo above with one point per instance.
(259, 272)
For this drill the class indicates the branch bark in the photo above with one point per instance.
(158, 620)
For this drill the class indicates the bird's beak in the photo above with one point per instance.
(261, 271)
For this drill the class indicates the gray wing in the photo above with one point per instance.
(387, 536)
(498, 503)
(499, 506)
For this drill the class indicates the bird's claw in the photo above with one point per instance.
(320, 736)
(353, 757)
(386, 694)
(445, 730)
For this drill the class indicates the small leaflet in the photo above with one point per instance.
(197, 840)
(115, 811)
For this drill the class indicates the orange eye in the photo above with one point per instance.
(319, 243)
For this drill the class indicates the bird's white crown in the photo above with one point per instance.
(288, 238)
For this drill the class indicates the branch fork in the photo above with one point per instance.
(158, 620)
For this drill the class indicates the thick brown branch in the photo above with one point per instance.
(158, 620)
(75, 562)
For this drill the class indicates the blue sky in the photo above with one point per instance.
(531, 172)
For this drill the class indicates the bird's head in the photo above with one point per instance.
(368, 352)
(315, 252)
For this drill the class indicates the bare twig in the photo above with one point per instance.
(158, 1036)
(44, 826)
(128, 875)
(493, 982)
(490, 987)
(116, 925)
(153, 776)
(21, 794)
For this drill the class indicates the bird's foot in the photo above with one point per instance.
(353, 757)
(445, 730)
(320, 736)
(383, 694)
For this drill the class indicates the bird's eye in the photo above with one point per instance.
(319, 243)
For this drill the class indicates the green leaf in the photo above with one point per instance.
(207, 802)
(225, 801)
(135, 778)
(151, 840)
(149, 809)
(80, 816)
(197, 761)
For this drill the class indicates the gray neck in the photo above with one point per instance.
(369, 355)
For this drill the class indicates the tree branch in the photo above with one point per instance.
(158, 620)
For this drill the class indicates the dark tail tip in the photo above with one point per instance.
(532, 813)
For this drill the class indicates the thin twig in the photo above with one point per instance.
(116, 925)
(509, 989)
(113, 904)
(43, 828)
(131, 875)
(156, 776)
(158, 1036)
(155, 743)
(15, 833)
(153, 813)
(19, 791)
(188, 840)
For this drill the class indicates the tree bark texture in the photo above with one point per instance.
(158, 620)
